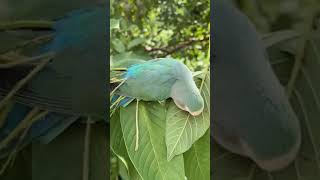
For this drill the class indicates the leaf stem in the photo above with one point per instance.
(86, 152)
(112, 92)
(33, 117)
(23, 60)
(137, 126)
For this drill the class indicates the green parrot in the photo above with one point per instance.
(157, 80)
(252, 115)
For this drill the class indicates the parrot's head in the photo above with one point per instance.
(187, 97)
(185, 93)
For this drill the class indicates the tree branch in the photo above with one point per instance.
(171, 49)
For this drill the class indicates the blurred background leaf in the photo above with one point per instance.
(63, 157)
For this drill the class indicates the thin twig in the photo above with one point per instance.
(17, 129)
(117, 87)
(30, 24)
(23, 81)
(296, 166)
(11, 157)
(35, 40)
(300, 54)
(137, 126)
(86, 152)
(270, 177)
(251, 173)
(171, 49)
(24, 60)
(30, 118)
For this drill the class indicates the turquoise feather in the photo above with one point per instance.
(160, 79)
(80, 58)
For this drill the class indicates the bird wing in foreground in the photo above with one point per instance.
(59, 87)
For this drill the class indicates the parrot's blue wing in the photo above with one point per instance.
(44, 129)
(123, 102)
(65, 34)
(48, 127)
(117, 101)
(57, 128)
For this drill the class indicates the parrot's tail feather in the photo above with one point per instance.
(114, 90)
(15, 131)
(117, 101)
(117, 76)
(57, 130)
(115, 80)
(22, 125)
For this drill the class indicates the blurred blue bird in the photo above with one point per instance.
(73, 84)
(252, 115)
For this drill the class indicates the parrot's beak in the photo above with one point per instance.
(185, 108)
(196, 113)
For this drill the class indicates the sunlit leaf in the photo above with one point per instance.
(114, 24)
(119, 149)
(197, 159)
(183, 129)
(150, 159)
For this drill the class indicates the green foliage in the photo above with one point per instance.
(142, 30)
(162, 28)
(197, 159)
(150, 158)
(182, 129)
(294, 54)
(157, 138)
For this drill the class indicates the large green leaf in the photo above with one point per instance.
(197, 159)
(150, 159)
(118, 147)
(306, 103)
(182, 129)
